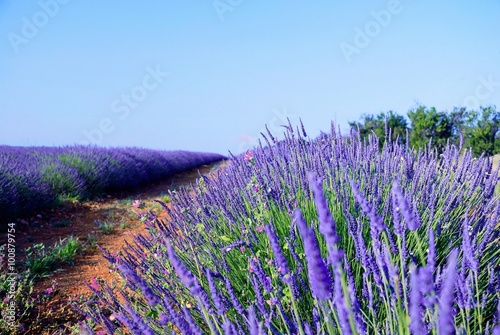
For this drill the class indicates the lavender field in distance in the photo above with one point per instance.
(33, 178)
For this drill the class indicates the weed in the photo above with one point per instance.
(165, 198)
(92, 240)
(126, 202)
(15, 290)
(105, 227)
(40, 259)
(67, 249)
(61, 223)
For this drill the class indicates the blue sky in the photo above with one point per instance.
(208, 75)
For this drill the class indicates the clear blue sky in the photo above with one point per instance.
(208, 75)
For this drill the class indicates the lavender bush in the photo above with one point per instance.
(31, 178)
(317, 236)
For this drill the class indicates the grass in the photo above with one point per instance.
(105, 226)
(61, 223)
(41, 259)
(165, 198)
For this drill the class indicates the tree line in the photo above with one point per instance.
(475, 129)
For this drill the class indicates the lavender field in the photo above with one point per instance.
(34, 178)
(329, 235)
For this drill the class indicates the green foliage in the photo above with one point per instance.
(61, 223)
(482, 134)
(59, 181)
(477, 129)
(428, 124)
(40, 259)
(105, 226)
(15, 288)
(166, 198)
(377, 125)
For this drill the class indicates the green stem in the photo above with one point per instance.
(296, 312)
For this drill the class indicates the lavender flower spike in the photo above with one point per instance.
(340, 304)
(319, 275)
(326, 222)
(467, 247)
(281, 262)
(416, 312)
(412, 221)
(253, 322)
(130, 273)
(446, 319)
(216, 297)
(184, 274)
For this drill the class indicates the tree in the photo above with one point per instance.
(483, 130)
(428, 124)
(458, 118)
(381, 123)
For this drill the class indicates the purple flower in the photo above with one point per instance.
(216, 297)
(376, 223)
(259, 298)
(136, 325)
(446, 318)
(193, 326)
(426, 278)
(253, 322)
(467, 249)
(187, 278)
(184, 274)
(416, 312)
(261, 275)
(319, 275)
(234, 300)
(127, 271)
(326, 222)
(228, 328)
(411, 219)
(307, 329)
(281, 262)
(340, 304)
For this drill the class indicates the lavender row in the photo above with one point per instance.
(31, 178)
(318, 236)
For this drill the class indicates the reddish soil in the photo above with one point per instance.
(53, 314)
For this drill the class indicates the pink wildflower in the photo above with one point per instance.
(248, 156)
(94, 284)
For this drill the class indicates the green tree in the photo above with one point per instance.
(458, 118)
(381, 123)
(483, 130)
(428, 124)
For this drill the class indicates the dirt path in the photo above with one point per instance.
(117, 214)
